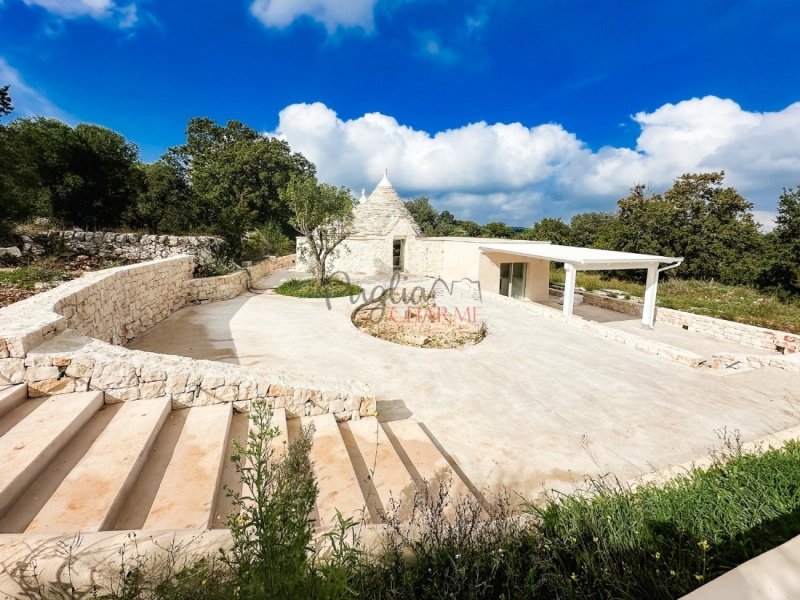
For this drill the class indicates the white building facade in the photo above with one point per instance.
(386, 239)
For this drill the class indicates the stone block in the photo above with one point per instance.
(12, 370)
(121, 394)
(108, 376)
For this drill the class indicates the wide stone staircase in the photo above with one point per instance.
(71, 463)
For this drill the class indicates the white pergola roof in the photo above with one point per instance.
(582, 258)
(592, 259)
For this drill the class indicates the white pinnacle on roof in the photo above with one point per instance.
(382, 211)
(385, 181)
(363, 196)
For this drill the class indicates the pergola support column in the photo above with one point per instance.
(569, 288)
(651, 287)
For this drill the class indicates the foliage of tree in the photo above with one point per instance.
(323, 214)
(497, 229)
(434, 223)
(87, 175)
(592, 229)
(166, 202)
(6, 106)
(550, 230)
(17, 178)
(783, 244)
(237, 175)
(424, 214)
(710, 225)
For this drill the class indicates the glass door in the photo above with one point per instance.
(518, 280)
(512, 279)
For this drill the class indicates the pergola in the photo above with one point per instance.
(591, 259)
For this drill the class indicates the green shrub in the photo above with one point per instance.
(308, 288)
(267, 240)
(219, 266)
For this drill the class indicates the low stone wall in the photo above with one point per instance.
(626, 307)
(69, 339)
(747, 335)
(226, 287)
(75, 363)
(132, 246)
(112, 305)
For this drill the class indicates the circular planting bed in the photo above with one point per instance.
(419, 322)
(308, 288)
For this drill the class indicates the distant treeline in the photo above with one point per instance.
(228, 180)
(224, 180)
(711, 225)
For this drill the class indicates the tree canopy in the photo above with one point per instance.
(237, 176)
(323, 214)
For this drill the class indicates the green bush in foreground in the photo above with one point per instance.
(609, 541)
(308, 288)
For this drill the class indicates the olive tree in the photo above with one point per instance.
(323, 214)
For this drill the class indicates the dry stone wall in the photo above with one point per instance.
(71, 338)
(131, 246)
(782, 342)
(225, 287)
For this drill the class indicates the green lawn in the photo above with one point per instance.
(732, 302)
(308, 288)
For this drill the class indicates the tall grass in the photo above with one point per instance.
(607, 540)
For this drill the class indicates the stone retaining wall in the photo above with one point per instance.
(70, 339)
(748, 335)
(225, 287)
(112, 305)
(132, 246)
(74, 363)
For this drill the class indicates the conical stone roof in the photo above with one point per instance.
(381, 212)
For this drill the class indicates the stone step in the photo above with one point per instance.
(91, 496)
(11, 397)
(27, 448)
(385, 482)
(336, 479)
(422, 457)
(280, 443)
(188, 488)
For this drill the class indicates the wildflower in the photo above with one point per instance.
(671, 572)
(703, 545)
(698, 577)
(595, 539)
(658, 555)
(573, 577)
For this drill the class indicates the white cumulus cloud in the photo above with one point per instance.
(125, 16)
(518, 173)
(333, 14)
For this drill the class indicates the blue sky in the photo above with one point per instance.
(496, 109)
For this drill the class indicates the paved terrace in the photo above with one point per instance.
(535, 406)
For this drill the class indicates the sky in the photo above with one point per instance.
(495, 109)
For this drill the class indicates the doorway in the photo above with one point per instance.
(398, 255)
(512, 279)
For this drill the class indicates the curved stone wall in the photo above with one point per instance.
(71, 339)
